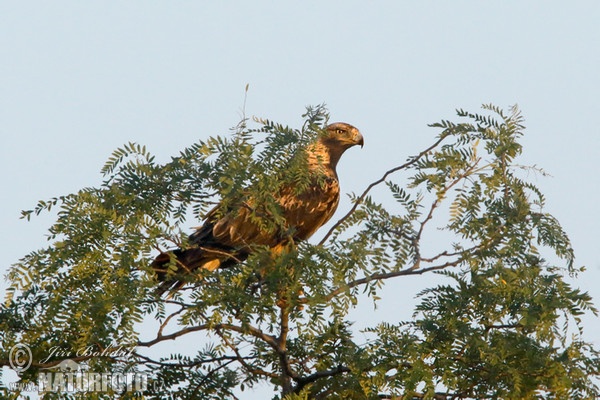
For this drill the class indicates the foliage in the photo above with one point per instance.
(503, 324)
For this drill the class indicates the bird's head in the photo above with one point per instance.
(333, 142)
(342, 135)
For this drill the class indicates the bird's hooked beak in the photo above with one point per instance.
(360, 140)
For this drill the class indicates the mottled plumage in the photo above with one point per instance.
(226, 240)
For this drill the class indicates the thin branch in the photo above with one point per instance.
(165, 323)
(209, 374)
(503, 326)
(257, 333)
(412, 396)
(413, 270)
(174, 335)
(179, 303)
(445, 253)
(442, 194)
(148, 360)
(241, 359)
(302, 382)
(362, 197)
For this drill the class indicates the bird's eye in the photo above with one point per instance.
(339, 131)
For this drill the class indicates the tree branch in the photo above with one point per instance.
(208, 375)
(441, 195)
(302, 382)
(242, 360)
(257, 333)
(414, 270)
(287, 374)
(148, 360)
(166, 322)
(362, 197)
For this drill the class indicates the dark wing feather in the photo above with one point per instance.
(308, 211)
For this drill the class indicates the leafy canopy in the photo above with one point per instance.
(503, 324)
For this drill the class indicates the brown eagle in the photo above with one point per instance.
(226, 239)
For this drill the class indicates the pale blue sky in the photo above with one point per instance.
(78, 79)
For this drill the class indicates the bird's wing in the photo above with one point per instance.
(306, 212)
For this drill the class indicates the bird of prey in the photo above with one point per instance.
(226, 238)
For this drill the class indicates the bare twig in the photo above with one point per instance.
(302, 382)
(166, 322)
(209, 374)
(148, 360)
(362, 197)
(257, 333)
(435, 204)
(242, 360)
(387, 275)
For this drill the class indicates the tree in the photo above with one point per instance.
(504, 322)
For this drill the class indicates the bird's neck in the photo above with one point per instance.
(324, 159)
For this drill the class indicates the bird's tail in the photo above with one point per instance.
(185, 262)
